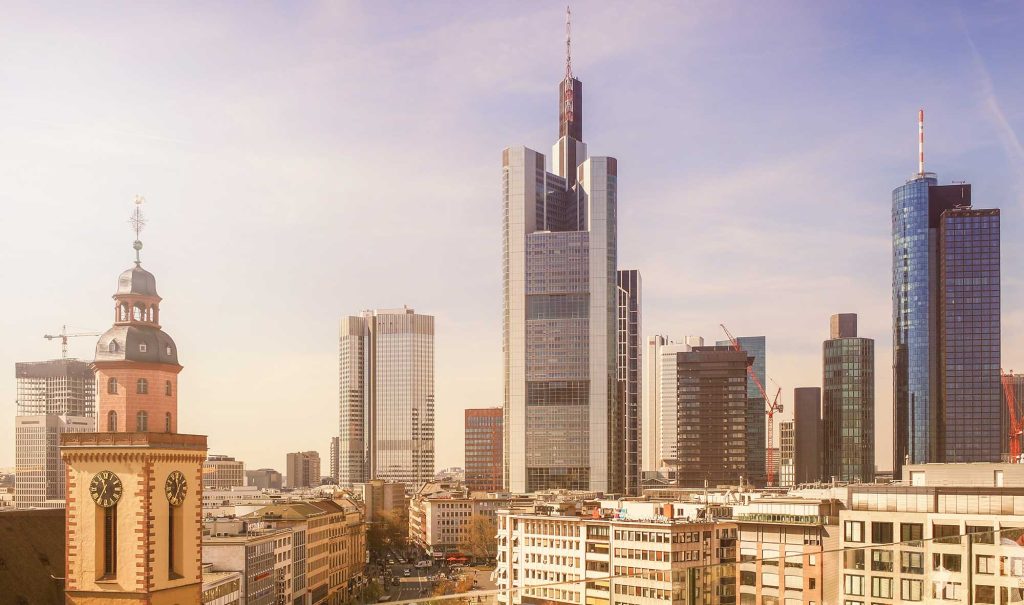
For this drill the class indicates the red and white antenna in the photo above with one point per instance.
(920, 141)
(568, 43)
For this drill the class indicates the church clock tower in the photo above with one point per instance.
(134, 490)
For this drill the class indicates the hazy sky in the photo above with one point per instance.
(306, 161)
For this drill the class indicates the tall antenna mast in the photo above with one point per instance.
(138, 222)
(568, 43)
(920, 141)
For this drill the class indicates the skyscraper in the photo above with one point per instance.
(807, 427)
(756, 420)
(53, 397)
(848, 393)
(386, 397)
(659, 431)
(484, 435)
(711, 416)
(945, 286)
(629, 363)
(563, 420)
(787, 453)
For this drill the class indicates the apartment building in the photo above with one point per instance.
(951, 533)
(553, 554)
(440, 516)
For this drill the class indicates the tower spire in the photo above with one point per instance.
(568, 42)
(920, 141)
(138, 222)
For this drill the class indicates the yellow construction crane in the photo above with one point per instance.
(64, 336)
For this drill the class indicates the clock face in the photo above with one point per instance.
(176, 487)
(105, 489)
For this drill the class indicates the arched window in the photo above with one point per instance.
(167, 388)
(112, 386)
(142, 422)
(167, 422)
(142, 386)
(112, 347)
(111, 421)
(139, 313)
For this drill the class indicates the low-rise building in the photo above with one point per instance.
(264, 478)
(221, 587)
(551, 554)
(223, 472)
(951, 534)
(249, 549)
(440, 516)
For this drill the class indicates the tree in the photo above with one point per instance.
(389, 531)
(479, 541)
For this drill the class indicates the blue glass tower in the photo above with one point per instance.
(926, 310)
(756, 419)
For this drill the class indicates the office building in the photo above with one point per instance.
(787, 453)
(848, 402)
(547, 555)
(807, 439)
(133, 515)
(484, 449)
(223, 472)
(264, 478)
(755, 347)
(335, 453)
(659, 401)
(386, 386)
(251, 550)
(951, 534)
(711, 416)
(629, 364)
(441, 516)
(382, 497)
(302, 469)
(221, 587)
(563, 421)
(946, 324)
(53, 397)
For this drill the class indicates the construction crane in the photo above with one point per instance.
(1014, 419)
(64, 336)
(771, 405)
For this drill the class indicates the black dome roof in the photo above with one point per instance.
(136, 343)
(137, 281)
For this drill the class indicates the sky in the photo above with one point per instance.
(305, 161)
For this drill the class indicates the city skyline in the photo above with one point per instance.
(248, 219)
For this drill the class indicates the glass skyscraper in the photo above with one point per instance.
(563, 419)
(941, 373)
(629, 364)
(848, 397)
(386, 392)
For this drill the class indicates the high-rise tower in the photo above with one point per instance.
(946, 323)
(386, 391)
(848, 402)
(134, 490)
(563, 422)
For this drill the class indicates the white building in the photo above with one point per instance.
(386, 391)
(953, 535)
(659, 432)
(223, 472)
(440, 516)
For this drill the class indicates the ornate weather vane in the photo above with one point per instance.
(138, 223)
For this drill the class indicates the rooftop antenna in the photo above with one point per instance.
(920, 141)
(568, 43)
(138, 222)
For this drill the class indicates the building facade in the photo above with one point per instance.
(223, 472)
(787, 453)
(53, 397)
(382, 497)
(755, 347)
(134, 491)
(807, 434)
(630, 364)
(946, 317)
(658, 433)
(711, 417)
(264, 478)
(569, 559)
(251, 551)
(951, 534)
(386, 390)
(484, 449)
(440, 517)
(302, 469)
(563, 420)
(848, 402)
